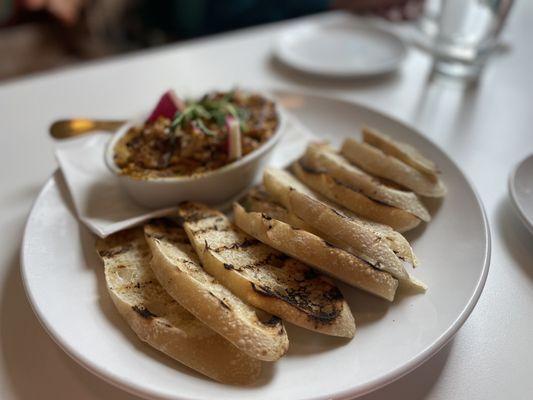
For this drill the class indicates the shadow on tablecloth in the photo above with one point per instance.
(515, 235)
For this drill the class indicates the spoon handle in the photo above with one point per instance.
(68, 128)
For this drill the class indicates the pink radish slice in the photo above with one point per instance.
(234, 138)
(167, 106)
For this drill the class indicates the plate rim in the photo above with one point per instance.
(279, 50)
(356, 391)
(513, 195)
(71, 352)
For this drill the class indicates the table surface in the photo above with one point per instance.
(484, 128)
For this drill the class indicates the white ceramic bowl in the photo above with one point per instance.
(213, 187)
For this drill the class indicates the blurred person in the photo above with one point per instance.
(236, 12)
(67, 11)
(190, 18)
(16, 11)
(39, 34)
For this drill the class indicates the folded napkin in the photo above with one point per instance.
(101, 203)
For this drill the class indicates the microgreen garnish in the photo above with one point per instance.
(200, 124)
(210, 109)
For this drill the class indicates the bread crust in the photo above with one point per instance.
(178, 269)
(353, 199)
(324, 158)
(376, 162)
(160, 321)
(402, 151)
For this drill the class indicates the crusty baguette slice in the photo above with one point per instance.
(323, 157)
(178, 269)
(352, 199)
(257, 200)
(373, 160)
(401, 151)
(354, 235)
(316, 252)
(264, 277)
(395, 240)
(159, 320)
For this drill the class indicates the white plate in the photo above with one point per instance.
(64, 282)
(340, 48)
(521, 190)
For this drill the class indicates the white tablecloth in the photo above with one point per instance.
(486, 129)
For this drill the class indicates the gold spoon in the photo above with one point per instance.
(68, 128)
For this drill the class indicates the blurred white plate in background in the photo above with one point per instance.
(521, 190)
(340, 48)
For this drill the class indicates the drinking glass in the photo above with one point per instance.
(428, 22)
(465, 33)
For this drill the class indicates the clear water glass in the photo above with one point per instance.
(429, 20)
(465, 33)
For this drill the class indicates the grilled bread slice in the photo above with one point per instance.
(316, 252)
(398, 244)
(323, 157)
(401, 151)
(264, 277)
(353, 199)
(373, 160)
(159, 320)
(176, 266)
(257, 200)
(361, 238)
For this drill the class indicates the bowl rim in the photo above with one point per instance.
(264, 148)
